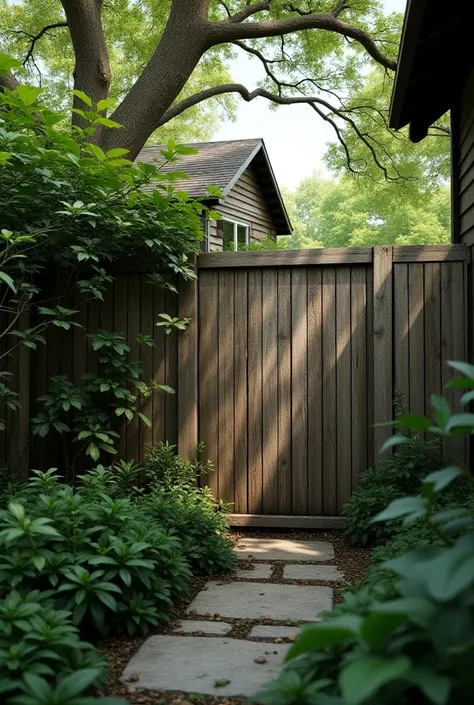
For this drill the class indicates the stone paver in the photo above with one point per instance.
(260, 571)
(300, 571)
(194, 664)
(255, 600)
(270, 631)
(284, 550)
(190, 626)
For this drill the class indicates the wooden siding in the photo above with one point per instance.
(463, 163)
(246, 204)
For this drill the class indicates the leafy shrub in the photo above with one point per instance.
(394, 477)
(415, 646)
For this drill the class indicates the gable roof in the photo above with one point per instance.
(435, 55)
(222, 164)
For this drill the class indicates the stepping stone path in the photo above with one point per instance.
(202, 655)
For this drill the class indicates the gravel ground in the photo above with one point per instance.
(352, 561)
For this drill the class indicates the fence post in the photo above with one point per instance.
(188, 371)
(382, 343)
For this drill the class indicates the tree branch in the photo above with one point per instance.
(314, 102)
(35, 37)
(227, 31)
(250, 10)
(9, 81)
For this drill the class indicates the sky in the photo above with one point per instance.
(294, 136)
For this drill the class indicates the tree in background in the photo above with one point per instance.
(341, 213)
(164, 59)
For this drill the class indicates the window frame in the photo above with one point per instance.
(235, 228)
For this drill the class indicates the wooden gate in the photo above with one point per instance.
(300, 353)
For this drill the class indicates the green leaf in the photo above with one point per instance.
(436, 688)
(84, 97)
(442, 409)
(7, 63)
(460, 421)
(362, 678)
(401, 507)
(76, 683)
(93, 451)
(451, 572)
(377, 627)
(443, 478)
(317, 636)
(393, 441)
(107, 122)
(166, 388)
(105, 104)
(415, 422)
(463, 367)
(8, 281)
(28, 94)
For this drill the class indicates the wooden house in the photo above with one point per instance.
(251, 204)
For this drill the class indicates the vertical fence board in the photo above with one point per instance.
(383, 340)
(358, 410)
(416, 338)
(208, 373)
(283, 374)
(401, 348)
(255, 463)
(329, 392)
(188, 372)
(133, 328)
(159, 367)
(299, 390)
(343, 386)
(171, 372)
(226, 384)
(432, 312)
(146, 359)
(240, 391)
(315, 410)
(121, 326)
(270, 391)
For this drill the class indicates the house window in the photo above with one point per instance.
(234, 234)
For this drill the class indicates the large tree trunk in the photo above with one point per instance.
(92, 70)
(184, 41)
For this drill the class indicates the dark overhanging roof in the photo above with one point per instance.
(435, 55)
(222, 164)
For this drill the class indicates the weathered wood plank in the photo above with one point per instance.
(188, 371)
(315, 410)
(255, 461)
(416, 337)
(286, 258)
(329, 392)
(208, 373)
(283, 373)
(133, 328)
(146, 359)
(121, 326)
(401, 347)
(343, 386)
(240, 390)
(282, 521)
(171, 373)
(299, 390)
(159, 367)
(358, 410)
(432, 312)
(430, 253)
(226, 385)
(382, 330)
(270, 391)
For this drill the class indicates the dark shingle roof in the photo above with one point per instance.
(215, 164)
(221, 164)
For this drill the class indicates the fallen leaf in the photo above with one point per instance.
(260, 659)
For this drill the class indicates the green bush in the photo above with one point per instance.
(395, 476)
(412, 644)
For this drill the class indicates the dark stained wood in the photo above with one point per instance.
(121, 326)
(255, 437)
(430, 253)
(208, 373)
(282, 521)
(329, 392)
(358, 339)
(401, 347)
(133, 328)
(146, 359)
(159, 367)
(416, 327)
(343, 386)
(299, 390)
(171, 373)
(283, 373)
(432, 314)
(188, 371)
(226, 384)
(315, 410)
(286, 258)
(382, 332)
(240, 390)
(270, 391)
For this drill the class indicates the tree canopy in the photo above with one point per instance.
(340, 213)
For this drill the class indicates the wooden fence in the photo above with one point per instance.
(291, 359)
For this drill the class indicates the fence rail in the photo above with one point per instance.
(291, 359)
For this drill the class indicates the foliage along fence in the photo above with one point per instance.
(291, 359)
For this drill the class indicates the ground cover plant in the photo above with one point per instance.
(414, 643)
